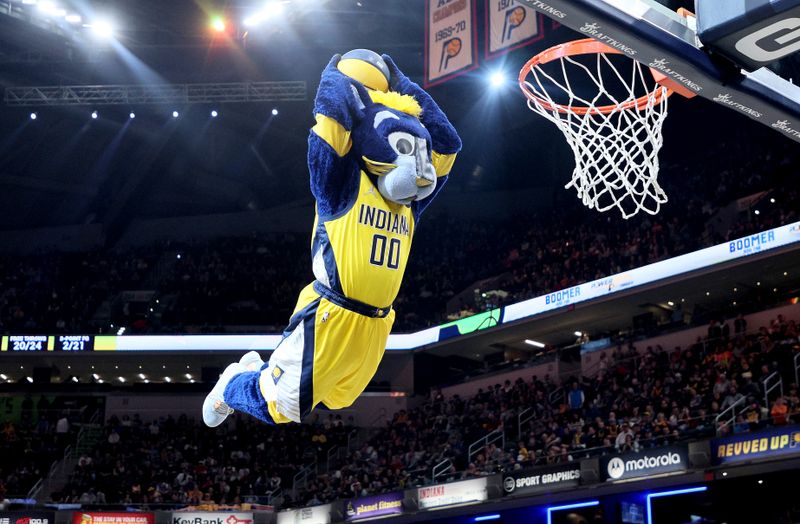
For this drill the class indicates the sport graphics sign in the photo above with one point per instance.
(537, 480)
(462, 492)
(312, 515)
(377, 506)
(646, 463)
(749, 446)
(208, 517)
(91, 517)
(27, 517)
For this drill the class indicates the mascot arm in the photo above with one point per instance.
(445, 140)
(334, 173)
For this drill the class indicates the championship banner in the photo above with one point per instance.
(538, 480)
(91, 517)
(450, 43)
(454, 493)
(312, 515)
(770, 443)
(650, 462)
(377, 506)
(509, 25)
(211, 517)
(27, 517)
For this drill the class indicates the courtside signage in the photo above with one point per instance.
(210, 517)
(27, 517)
(752, 446)
(90, 517)
(312, 515)
(377, 506)
(656, 461)
(442, 495)
(538, 480)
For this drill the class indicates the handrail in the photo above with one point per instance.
(725, 423)
(770, 385)
(797, 369)
(489, 438)
(522, 419)
(440, 469)
(555, 394)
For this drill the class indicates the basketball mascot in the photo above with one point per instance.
(379, 153)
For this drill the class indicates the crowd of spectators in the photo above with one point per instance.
(232, 283)
(32, 436)
(634, 398)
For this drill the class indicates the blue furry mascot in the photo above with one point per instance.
(377, 160)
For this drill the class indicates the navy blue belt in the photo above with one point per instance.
(348, 303)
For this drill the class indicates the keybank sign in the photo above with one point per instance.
(644, 464)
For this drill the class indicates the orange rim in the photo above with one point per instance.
(585, 46)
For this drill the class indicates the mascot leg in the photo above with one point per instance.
(215, 407)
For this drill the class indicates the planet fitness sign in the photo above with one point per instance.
(377, 506)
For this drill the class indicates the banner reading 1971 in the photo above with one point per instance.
(510, 24)
(449, 39)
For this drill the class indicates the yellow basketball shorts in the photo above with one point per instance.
(328, 355)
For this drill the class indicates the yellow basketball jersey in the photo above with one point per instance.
(362, 252)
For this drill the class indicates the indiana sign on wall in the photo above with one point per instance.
(509, 25)
(450, 43)
(462, 492)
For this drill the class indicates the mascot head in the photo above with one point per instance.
(393, 146)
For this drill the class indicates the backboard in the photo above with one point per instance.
(650, 33)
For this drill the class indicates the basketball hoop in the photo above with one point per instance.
(614, 136)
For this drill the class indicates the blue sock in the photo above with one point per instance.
(244, 394)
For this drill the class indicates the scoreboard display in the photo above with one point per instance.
(37, 343)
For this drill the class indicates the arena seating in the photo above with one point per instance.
(231, 283)
(638, 399)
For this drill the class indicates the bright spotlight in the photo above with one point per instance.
(132, 115)
(175, 114)
(497, 79)
(94, 115)
(218, 24)
(29, 2)
(214, 113)
(34, 116)
(271, 10)
(274, 112)
(103, 29)
(73, 19)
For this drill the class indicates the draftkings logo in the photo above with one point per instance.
(727, 99)
(786, 127)
(593, 29)
(661, 64)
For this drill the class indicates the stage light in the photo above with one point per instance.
(132, 115)
(74, 378)
(34, 116)
(29, 379)
(270, 10)
(167, 379)
(102, 28)
(94, 115)
(497, 79)
(757, 212)
(73, 19)
(671, 303)
(578, 334)
(218, 24)
(142, 376)
(534, 343)
(214, 113)
(188, 376)
(95, 376)
(274, 112)
(121, 379)
(175, 114)
(3, 376)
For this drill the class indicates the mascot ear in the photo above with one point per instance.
(360, 100)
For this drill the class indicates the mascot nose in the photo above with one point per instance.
(426, 175)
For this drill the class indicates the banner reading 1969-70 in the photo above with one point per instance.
(449, 39)
(510, 24)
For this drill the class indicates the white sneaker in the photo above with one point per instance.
(215, 410)
(249, 359)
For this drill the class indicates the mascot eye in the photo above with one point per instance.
(402, 143)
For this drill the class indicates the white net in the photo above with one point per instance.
(615, 137)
